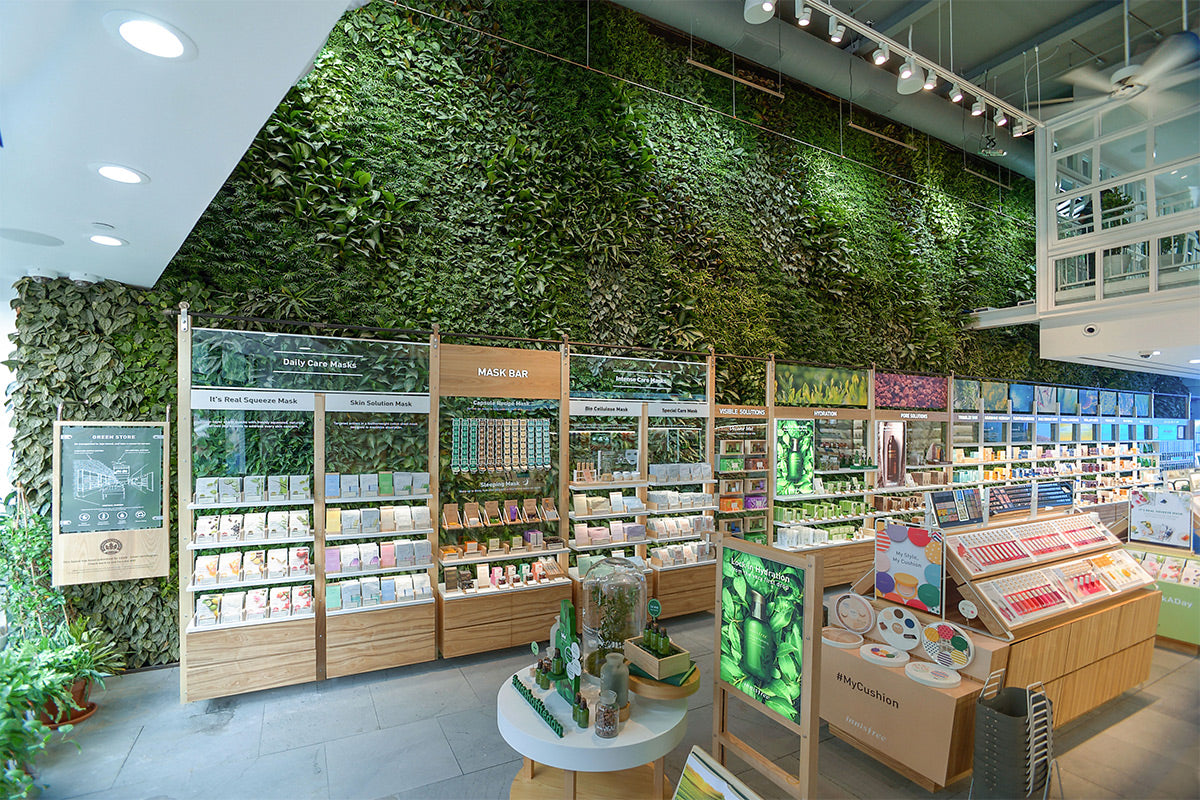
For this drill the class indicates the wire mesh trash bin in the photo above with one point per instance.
(1013, 742)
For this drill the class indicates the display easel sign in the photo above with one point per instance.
(109, 505)
(1160, 517)
(767, 635)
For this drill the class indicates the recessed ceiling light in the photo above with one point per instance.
(1156, 352)
(107, 241)
(1194, 360)
(120, 174)
(150, 35)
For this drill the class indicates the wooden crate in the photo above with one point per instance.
(380, 638)
(237, 660)
(497, 620)
(685, 590)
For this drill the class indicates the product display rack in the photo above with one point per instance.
(248, 652)
(1022, 575)
(742, 452)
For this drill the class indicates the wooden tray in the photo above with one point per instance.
(654, 690)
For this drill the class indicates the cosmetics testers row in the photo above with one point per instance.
(277, 602)
(499, 445)
(509, 576)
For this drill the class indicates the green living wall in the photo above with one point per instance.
(425, 172)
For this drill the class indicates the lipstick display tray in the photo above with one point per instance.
(1036, 594)
(983, 553)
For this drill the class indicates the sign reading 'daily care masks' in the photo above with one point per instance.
(762, 628)
(471, 371)
(908, 567)
(1160, 517)
(109, 502)
(249, 359)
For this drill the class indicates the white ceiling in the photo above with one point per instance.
(73, 93)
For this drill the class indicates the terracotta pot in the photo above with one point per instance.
(81, 690)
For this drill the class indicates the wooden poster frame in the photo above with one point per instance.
(803, 785)
(150, 546)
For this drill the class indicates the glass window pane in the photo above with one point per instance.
(1068, 136)
(1074, 171)
(1126, 270)
(1121, 205)
(1075, 216)
(1122, 117)
(1075, 279)
(1123, 156)
(1179, 260)
(1177, 190)
(1177, 139)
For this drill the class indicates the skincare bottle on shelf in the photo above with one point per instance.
(795, 462)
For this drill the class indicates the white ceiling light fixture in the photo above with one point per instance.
(756, 12)
(150, 35)
(836, 30)
(930, 81)
(1020, 128)
(804, 17)
(881, 55)
(1194, 360)
(907, 68)
(119, 173)
(106, 240)
(956, 94)
(1000, 119)
(977, 109)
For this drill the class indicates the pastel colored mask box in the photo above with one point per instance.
(908, 567)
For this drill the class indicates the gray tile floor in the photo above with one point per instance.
(429, 731)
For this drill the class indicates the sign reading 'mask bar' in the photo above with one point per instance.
(469, 371)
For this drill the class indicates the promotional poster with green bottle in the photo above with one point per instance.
(762, 629)
(793, 457)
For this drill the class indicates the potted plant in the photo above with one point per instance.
(27, 685)
(85, 656)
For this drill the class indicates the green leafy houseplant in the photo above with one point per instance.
(33, 605)
(27, 685)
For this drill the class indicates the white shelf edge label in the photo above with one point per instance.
(606, 408)
(251, 400)
(377, 403)
(661, 408)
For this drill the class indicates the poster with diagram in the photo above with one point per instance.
(109, 504)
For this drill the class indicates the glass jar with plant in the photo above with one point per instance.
(614, 609)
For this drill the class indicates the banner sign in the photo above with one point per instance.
(627, 378)
(794, 457)
(802, 385)
(910, 391)
(762, 610)
(109, 505)
(254, 360)
(605, 408)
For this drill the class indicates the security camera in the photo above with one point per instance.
(1091, 329)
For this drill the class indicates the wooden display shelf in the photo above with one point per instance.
(685, 589)
(510, 555)
(224, 662)
(494, 620)
(380, 637)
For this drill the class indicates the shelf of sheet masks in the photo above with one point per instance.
(1023, 574)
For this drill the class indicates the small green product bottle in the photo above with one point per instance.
(795, 463)
(664, 643)
(758, 640)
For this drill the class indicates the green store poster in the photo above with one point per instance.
(793, 457)
(762, 629)
(111, 478)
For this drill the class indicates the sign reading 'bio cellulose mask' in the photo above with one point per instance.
(908, 567)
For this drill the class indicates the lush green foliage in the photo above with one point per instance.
(34, 606)
(27, 682)
(425, 173)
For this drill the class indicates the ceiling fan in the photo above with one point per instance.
(1174, 61)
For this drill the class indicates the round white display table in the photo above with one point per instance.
(653, 729)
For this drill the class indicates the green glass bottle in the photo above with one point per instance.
(795, 462)
(758, 640)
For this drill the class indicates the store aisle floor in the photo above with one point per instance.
(429, 731)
